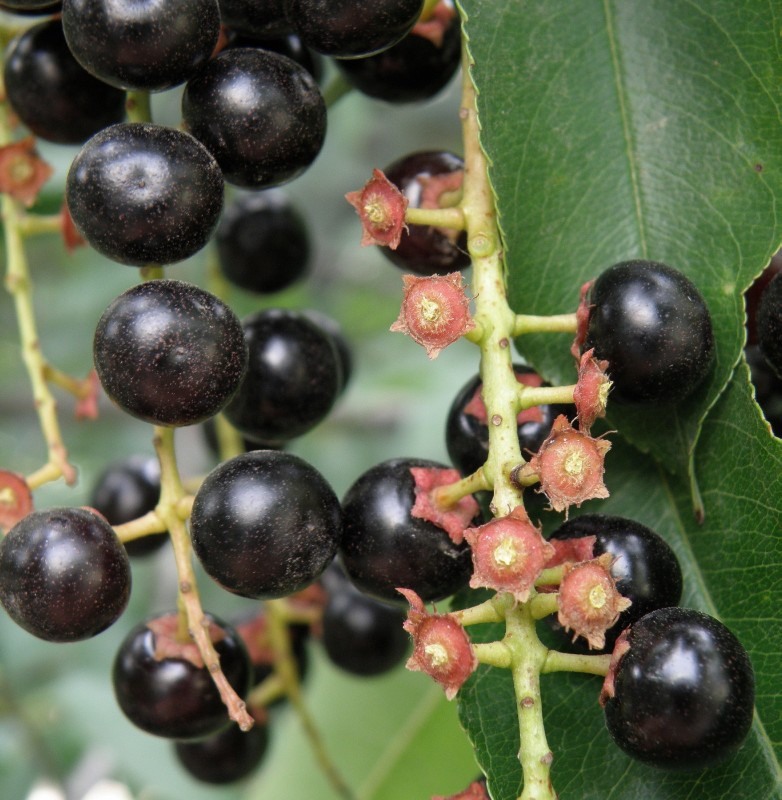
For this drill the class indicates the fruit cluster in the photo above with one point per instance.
(357, 573)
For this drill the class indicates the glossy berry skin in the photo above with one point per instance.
(293, 377)
(645, 568)
(413, 70)
(344, 352)
(422, 249)
(467, 434)
(254, 18)
(167, 693)
(769, 325)
(128, 489)
(30, 7)
(684, 691)
(362, 635)
(144, 194)
(149, 46)
(285, 44)
(383, 547)
(52, 93)
(654, 328)
(263, 244)
(352, 28)
(259, 113)
(169, 352)
(265, 524)
(64, 575)
(224, 757)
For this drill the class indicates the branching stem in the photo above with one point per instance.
(448, 217)
(191, 613)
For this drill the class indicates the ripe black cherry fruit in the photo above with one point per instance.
(652, 325)
(683, 693)
(423, 177)
(769, 325)
(645, 568)
(383, 547)
(128, 489)
(263, 244)
(260, 114)
(64, 574)
(416, 68)
(467, 427)
(352, 28)
(162, 685)
(294, 376)
(224, 757)
(53, 95)
(169, 352)
(144, 194)
(141, 45)
(362, 635)
(265, 524)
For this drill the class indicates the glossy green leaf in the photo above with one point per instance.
(619, 130)
(731, 570)
(622, 129)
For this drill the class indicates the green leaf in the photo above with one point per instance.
(622, 129)
(730, 566)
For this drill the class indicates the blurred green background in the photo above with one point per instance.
(392, 737)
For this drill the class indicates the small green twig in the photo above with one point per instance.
(450, 494)
(447, 217)
(575, 662)
(556, 323)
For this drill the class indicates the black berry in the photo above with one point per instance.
(265, 524)
(383, 547)
(255, 18)
(64, 575)
(151, 45)
(645, 568)
(162, 685)
(263, 243)
(652, 325)
(128, 489)
(684, 692)
(169, 352)
(224, 757)
(423, 178)
(352, 28)
(416, 68)
(259, 113)
(467, 426)
(54, 96)
(142, 193)
(293, 377)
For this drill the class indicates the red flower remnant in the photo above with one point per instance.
(87, 404)
(441, 647)
(381, 208)
(433, 27)
(16, 499)
(609, 684)
(582, 320)
(570, 466)
(167, 644)
(591, 392)
(508, 554)
(453, 519)
(589, 603)
(475, 791)
(574, 550)
(70, 234)
(435, 311)
(22, 171)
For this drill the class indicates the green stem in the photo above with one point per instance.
(574, 662)
(495, 654)
(337, 88)
(192, 618)
(556, 323)
(531, 396)
(449, 217)
(139, 107)
(491, 610)
(493, 316)
(447, 496)
(544, 604)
